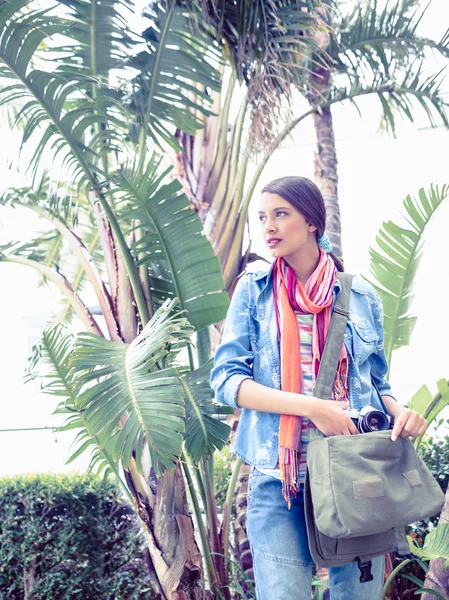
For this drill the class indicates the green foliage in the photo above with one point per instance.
(204, 431)
(129, 380)
(172, 238)
(70, 538)
(434, 451)
(222, 475)
(395, 260)
(378, 50)
(436, 544)
(430, 407)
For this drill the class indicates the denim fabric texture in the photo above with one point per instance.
(250, 349)
(281, 557)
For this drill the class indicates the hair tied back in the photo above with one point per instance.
(325, 243)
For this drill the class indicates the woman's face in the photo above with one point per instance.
(285, 230)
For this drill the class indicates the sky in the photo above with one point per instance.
(376, 172)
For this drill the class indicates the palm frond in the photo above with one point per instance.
(29, 250)
(379, 50)
(395, 260)
(126, 385)
(53, 351)
(44, 94)
(205, 433)
(266, 43)
(399, 97)
(381, 40)
(175, 75)
(99, 37)
(416, 89)
(49, 361)
(174, 239)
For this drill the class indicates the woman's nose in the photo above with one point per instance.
(269, 225)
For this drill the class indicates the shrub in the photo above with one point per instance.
(435, 453)
(69, 537)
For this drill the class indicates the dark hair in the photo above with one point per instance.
(306, 197)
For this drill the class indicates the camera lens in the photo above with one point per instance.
(375, 420)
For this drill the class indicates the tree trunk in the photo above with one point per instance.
(326, 175)
(242, 548)
(29, 580)
(326, 163)
(241, 551)
(437, 578)
(176, 564)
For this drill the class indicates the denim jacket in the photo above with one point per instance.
(250, 349)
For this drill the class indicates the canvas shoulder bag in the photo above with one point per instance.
(361, 490)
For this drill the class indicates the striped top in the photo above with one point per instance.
(305, 325)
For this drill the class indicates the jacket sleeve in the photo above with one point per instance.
(233, 357)
(378, 360)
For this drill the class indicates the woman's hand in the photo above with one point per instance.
(407, 423)
(330, 417)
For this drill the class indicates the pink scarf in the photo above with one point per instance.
(316, 298)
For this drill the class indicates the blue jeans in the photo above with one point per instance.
(280, 549)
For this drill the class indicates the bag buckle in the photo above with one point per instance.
(341, 311)
(365, 570)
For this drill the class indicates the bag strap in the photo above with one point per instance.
(332, 347)
(334, 341)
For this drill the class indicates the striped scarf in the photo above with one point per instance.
(315, 298)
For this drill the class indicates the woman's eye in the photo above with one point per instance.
(262, 218)
(280, 213)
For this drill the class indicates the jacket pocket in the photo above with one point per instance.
(257, 326)
(364, 342)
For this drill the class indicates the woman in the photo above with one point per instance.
(268, 372)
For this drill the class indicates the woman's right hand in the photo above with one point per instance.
(330, 417)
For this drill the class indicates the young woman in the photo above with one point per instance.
(268, 372)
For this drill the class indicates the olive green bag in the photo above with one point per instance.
(361, 490)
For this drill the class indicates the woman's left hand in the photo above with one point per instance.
(407, 422)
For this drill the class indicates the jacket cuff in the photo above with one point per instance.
(232, 387)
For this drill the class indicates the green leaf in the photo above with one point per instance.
(136, 394)
(394, 264)
(52, 352)
(420, 400)
(175, 238)
(170, 89)
(440, 401)
(204, 432)
(436, 544)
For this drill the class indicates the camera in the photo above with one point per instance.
(370, 419)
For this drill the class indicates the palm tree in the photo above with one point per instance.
(367, 50)
(331, 57)
(100, 100)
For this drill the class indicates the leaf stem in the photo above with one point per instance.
(228, 504)
(393, 575)
(210, 568)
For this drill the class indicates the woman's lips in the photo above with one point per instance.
(273, 242)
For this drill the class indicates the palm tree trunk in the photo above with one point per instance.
(242, 550)
(176, 563)
(437, 577)
(326, 175)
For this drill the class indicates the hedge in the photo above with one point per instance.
(69, 537)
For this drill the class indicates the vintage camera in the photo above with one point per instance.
(370, 419)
